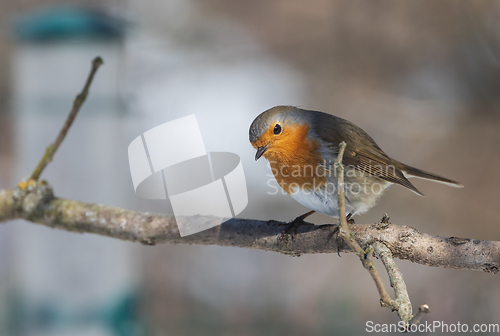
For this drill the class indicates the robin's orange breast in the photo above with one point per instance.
(296, 160)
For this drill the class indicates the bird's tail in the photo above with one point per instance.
(415, 172)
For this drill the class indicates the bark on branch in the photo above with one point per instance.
(35, 202)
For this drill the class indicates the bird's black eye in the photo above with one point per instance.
(277, 129)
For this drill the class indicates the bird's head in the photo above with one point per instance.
(280, 132)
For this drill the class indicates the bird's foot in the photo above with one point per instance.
(336, 232)
(293, 226)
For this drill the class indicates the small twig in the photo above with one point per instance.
(402, 303)
(385, 298)
(77, 103)
(367, 261)
(423, 309)
(344, 231)
(402, 300)
(366, 257)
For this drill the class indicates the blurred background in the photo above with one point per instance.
(422, 78)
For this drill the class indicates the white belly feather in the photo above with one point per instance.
(317, 200)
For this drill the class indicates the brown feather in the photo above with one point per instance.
(362, 152)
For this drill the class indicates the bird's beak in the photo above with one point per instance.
(260, 151)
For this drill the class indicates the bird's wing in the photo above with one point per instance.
(375, 162)
(362, 152)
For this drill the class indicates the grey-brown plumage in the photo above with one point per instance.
(363, 153)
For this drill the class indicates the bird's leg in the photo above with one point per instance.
(339, 242)
(292, 227)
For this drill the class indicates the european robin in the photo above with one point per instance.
(301, 147)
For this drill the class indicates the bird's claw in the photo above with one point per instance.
(339, 240)
(294, 225)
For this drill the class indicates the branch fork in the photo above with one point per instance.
(401, 304)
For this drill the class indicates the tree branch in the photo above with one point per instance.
(77, 103)
(402, 303)
(34, 200)
(366, 257)
(36, 203)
